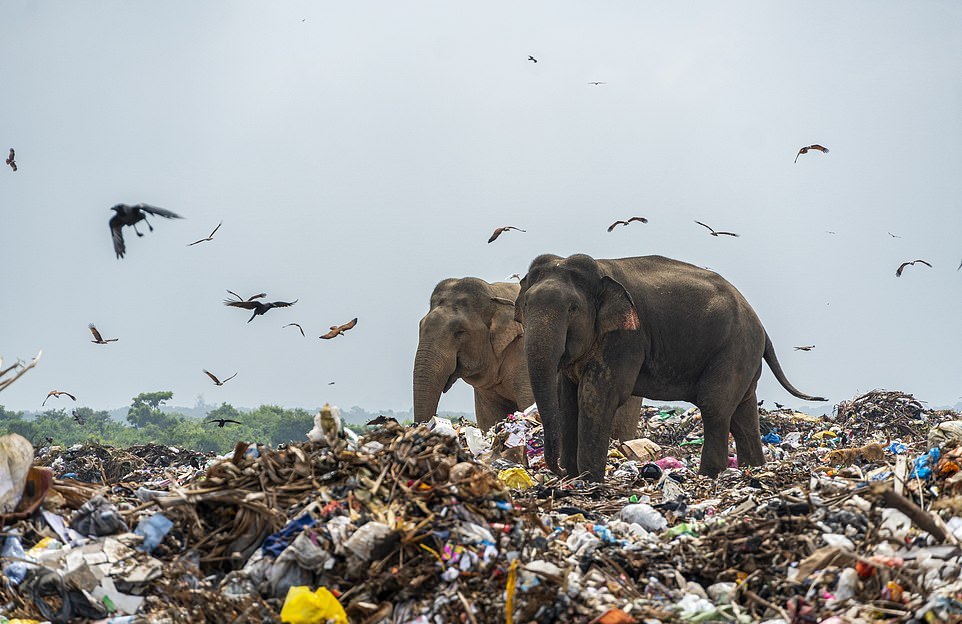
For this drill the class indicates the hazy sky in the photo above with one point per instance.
(360, 152)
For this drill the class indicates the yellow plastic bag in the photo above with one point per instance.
(516, 478)
(302, 606)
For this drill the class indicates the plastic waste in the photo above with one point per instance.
(772, 438)
(303, 606)
(16, 571)
(641, 449)
(16, 457)
(847, 584)
(475, 440)
(516, 478)
(945, 432)
(721, 593)
(328, 427)
(98, 517)
(443, 426)
(666, 463)
(373, 540)
(275, 543)
(839, 541)
(896, 448)
(643, 515)
(793, 439)
(691, 605)
(651, 472)
(153, 529)
(895, 524)
(922, 468)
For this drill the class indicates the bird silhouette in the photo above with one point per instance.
(337, 330)
(806, 348)
(513, 276)
(259, 307)
(778, 405)
(596, 83)
(501, 230)
(76, 416)
(381, 419)
(56, 394)
(98, 339)
(893, 235)
(713, 232)
(806, 149)
(218, 382)
(131, 215)
(209, 238)
(532, 59)
(898, 271)
(251, 298)
(960, 266)
(297, 326)
(223, 421)
(760, 402)
(617, 223)
(11, 161)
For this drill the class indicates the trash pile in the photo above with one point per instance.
(857, 516)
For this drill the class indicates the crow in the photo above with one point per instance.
(297, 326)
(131, 215)
(532, 59)
(259, 307)
(500, 230)
(380, 420)
(57, 393)
(76, 416)
(760, 402)
(97, 337)
(898, 271)
(807, 348)
(223, 421)
(617, 223)
(778, 405)
(218, 382)
(337, 330)
(805, 150)
(713, 232)
(11, 161)
(209, 238)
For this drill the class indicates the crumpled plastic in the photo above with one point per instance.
(922, 468)
(302, 606)
(153, 529)
(98, 517)
(277, 542)
(298, 563)
(516, 478)
(16, 457)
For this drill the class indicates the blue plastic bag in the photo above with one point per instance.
(153, 529)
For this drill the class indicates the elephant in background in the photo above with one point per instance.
(599, 331)
(470, 333)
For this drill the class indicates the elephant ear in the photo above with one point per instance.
(617, 310)
(518, 315)
(503, 327)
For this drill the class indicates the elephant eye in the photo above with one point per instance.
(460, 332)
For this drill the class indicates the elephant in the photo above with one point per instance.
(470, 333)
(600, 331)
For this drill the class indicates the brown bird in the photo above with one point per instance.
(76, 416)
(498, 232)
(223, 421)
(11, 161)
(713, 232)
(337, 330)
(218, 382)
(898, 271)
(817, 147)
(259, 307)
(297, 326)
(617, 223)
(808, 348)
(57, 393)
(532, 59)
(98, 339)
(211, 237)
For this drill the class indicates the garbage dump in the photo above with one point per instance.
(856, 517)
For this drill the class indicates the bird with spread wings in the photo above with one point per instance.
(898, 271)
(619, 222)
(807, 148)
(98, 339)
(499, 231)
(218, 382)
(209, 238)
(56, 394)
(337, 330)
(713, 232)
(11, 159)
(259, 307)
(132, 215)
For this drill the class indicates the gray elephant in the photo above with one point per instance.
(600, 331)
(470, 333)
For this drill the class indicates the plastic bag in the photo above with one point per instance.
(16, 457)
(302, 606)
(98, 517)
(153, 529)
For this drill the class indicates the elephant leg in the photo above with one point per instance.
(625, 425)
(489, 409)
(568, 405)
(717, 399)
(597, 403)
(744, 426)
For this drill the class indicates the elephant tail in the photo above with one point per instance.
(780, 374)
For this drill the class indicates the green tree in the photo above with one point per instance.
(145, 410)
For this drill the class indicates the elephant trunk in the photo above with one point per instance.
(544, 345)
(433, 374)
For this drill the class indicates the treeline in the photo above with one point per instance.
(147, 422)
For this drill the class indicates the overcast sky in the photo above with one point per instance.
(358, 153)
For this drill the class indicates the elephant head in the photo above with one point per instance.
(463, 335)
(567, 306)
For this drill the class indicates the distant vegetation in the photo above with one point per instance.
(149, 420)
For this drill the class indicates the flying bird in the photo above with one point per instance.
(223, 421)
(960, 266)
(259, 307)
(617, 223)
(532, 59)
(98, 339)
(337, 330)
(898, 271)
(251, 298)
(131, 215)
(596, 83)
(806, 348)
(209, 238)
(713, 232)
(829, 232)
(297, 326)
(893, 235)
(218, 382)
(76, 416)
(500, 230)
(11, 161)
(805, 150)
(56, 394)
(331, 383)
(513, 276)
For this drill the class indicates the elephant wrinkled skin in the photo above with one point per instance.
(600, 331)
(470, 333)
